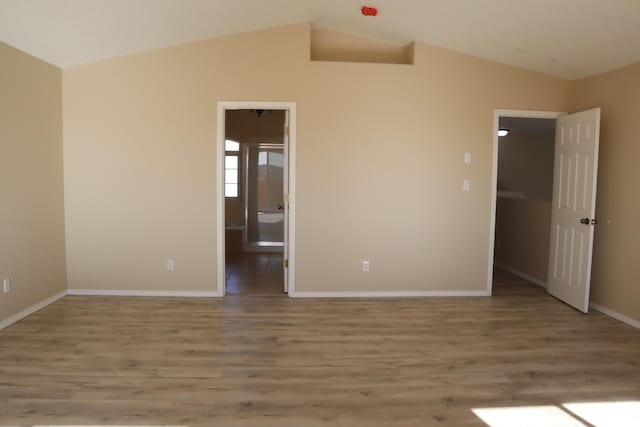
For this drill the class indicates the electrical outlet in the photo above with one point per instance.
(365, 265)
(170, 265)
(6, 285)
(466, 185)
(467, 158)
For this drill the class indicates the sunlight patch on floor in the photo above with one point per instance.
(607, 414)
(527, 416)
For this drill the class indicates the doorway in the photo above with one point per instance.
(552, 221)
(256, 148)
(506, 196)
(521, 191)
(524, 192)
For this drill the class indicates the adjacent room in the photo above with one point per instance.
(319, 213)
(254, 201)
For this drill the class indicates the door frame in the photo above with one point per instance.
(290, 174)
(497, 114)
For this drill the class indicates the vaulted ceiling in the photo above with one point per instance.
(566, 38)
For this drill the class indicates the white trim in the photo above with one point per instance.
(290, 151)
(139, 293)
(220, 199)
(531, 114)
(519, 273)
(30, 310)
(291, 172)
(389, 294)
(614, 314)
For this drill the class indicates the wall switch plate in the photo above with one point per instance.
(466, 185)
(365, 265)
(467, 158)
(170, 265)
(6, 285)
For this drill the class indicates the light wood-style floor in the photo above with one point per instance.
(275, 361)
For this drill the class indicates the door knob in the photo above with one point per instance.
(584, 221)
(279, 207)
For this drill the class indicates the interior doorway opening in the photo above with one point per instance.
(255, 198)
(523, 198)
(569, 232)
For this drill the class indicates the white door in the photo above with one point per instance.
(286, 201)
(573, 209)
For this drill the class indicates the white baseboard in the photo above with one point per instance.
(138, 293)
(389, 294)
(521, 274)
(621, 317)
(30, 310)
(337, 294)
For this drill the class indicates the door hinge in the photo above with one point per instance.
(286, 263)
(286, 131)
(286, 198)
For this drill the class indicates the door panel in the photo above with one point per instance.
(573, 207)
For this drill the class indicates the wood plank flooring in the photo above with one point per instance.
(275, 361)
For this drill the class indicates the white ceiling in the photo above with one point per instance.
(567, 38)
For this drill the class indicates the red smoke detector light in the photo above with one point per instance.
(369, 11)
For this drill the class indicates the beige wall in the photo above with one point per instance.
(379, 162)
(616, 272)
(331, 45)
(31, 218)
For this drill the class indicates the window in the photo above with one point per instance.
(232, 151)
(230, 145)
